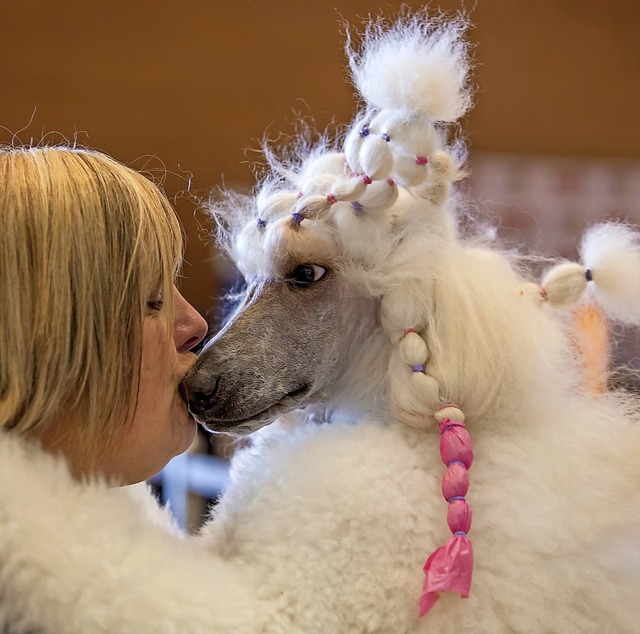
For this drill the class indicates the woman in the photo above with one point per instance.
(94, 341)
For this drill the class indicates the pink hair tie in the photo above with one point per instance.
(449, 568)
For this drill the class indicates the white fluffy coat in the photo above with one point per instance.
(84, 559)
(337, 520)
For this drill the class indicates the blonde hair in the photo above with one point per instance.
(84, 243)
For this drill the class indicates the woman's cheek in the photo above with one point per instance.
(156, 367)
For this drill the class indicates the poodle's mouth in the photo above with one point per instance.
(247, 424)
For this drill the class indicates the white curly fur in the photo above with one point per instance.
(416, 67)
(554, 465)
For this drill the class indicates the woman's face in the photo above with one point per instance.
(161, 427)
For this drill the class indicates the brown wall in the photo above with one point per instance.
(187, 86)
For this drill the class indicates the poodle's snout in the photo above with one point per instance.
(199, 392)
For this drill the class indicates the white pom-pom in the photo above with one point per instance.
(318, 184)
(375, 157)
(327, 163)
(415, 67)
(565, 284)
(353, 145)
(417, 137)
(413, 350)
(408, 171)
(347, 188)
(379, 195)
(248, 248)
(312, 206)
(611, 252)
(275, 205)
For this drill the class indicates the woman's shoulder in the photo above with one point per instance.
(36, 485)
(80, 557)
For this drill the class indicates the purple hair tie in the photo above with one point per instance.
(297, 218)
(356, 205)
(364, 131)
(588, 275)
(385, 137)
(261, 223)
(417, 368)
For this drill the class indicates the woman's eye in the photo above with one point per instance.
(155, 305)
(308, 274)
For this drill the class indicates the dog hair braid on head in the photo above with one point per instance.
(610, 255)
(395, 158)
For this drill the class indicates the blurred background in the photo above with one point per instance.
(187, 90)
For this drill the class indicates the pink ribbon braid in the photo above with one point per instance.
(449, 568)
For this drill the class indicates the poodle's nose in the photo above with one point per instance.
(199, 394)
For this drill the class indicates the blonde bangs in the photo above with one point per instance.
(87, 242)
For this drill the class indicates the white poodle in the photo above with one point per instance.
(409, 362)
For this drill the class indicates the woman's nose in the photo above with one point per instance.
(189, 327)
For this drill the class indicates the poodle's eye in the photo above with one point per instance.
(306, 274)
